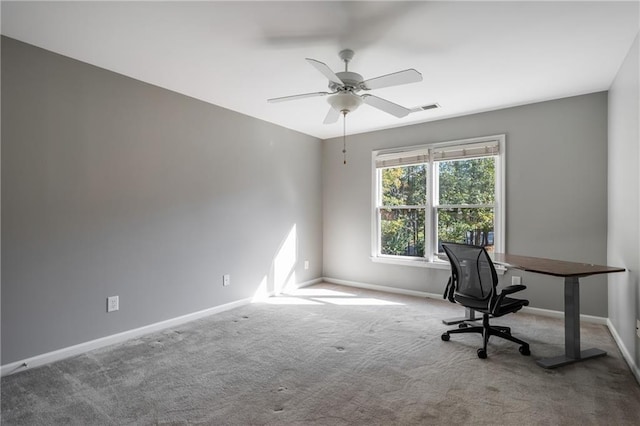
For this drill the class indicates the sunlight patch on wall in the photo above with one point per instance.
(282, 271)
(285, 262)
(262, 293)
(278, 286)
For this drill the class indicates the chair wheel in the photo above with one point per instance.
(482, 353)
(524, 350)
(445, 337)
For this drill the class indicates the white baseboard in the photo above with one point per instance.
(288, 287)
(382, 288)
(308, 283)
(559, 314)
(81, 348)
(537, 311)
(625, 352)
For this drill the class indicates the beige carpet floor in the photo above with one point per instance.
(330, 355)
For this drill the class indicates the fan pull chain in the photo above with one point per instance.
(344, 136)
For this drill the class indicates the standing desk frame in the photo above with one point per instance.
(571, 272)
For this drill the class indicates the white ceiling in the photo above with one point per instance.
(474, 56)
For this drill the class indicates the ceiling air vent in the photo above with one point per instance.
(425, 107)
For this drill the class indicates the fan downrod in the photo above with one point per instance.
(346, 55)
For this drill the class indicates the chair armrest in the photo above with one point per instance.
(513, 289)
(507, 290)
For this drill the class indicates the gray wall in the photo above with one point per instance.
(624, 201)
(556, 195)
(111, 186)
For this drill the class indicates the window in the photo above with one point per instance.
(403, 210)
(444, 192)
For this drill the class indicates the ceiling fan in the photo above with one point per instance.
(346, 85)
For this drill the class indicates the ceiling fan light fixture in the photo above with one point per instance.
(344, 101)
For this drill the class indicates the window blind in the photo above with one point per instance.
(458, 152)
(438, 153)
(399, 159)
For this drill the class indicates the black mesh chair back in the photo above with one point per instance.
(473, 284)
(472, 270)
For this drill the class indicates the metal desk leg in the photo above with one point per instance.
(571, 330)
(469, 315)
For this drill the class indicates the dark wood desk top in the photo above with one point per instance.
(558, 268)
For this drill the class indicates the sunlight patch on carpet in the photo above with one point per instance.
(356, 301)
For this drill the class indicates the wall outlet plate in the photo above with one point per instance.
(113, 303)
(306, 264)
(516, 280)
(226, 280)
(638, 327)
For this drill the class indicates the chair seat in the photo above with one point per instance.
(510, 305)
(507, 306)
(475, 304)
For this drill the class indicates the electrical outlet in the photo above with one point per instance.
(226, 280)
(515, 280)
(306, 264)
(113, 303)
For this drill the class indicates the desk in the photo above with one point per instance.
(571, 272)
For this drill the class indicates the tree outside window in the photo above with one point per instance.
(465, 212)
(403, 215)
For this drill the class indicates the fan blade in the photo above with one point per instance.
(394, 79)
(332, 116)
(326, 71)
(386, 106)
(293, 97)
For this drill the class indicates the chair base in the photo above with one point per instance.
(487, 330)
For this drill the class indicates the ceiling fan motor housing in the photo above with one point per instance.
(351, 80)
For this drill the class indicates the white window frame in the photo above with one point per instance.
(430, 260)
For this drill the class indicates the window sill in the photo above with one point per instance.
(423, 263)
(416, 262)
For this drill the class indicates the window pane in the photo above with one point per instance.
(402, 232)
(404, 186)
(467, 181)
(466, 225)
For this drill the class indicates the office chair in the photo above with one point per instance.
(473, 285)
